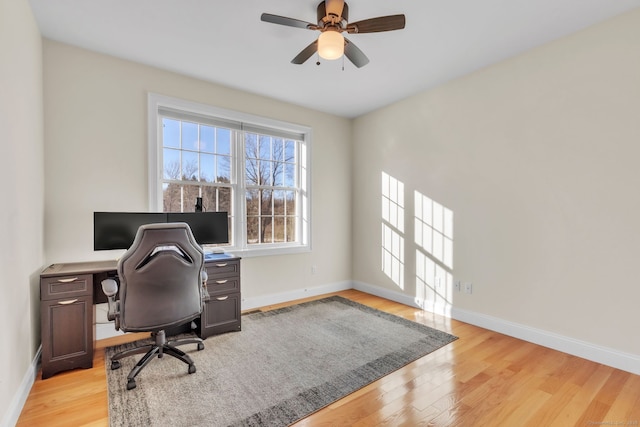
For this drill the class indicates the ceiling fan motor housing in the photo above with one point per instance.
(327, 19)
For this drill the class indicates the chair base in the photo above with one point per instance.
(160, 348)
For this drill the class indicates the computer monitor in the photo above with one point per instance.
(116, 230)
(208, 228)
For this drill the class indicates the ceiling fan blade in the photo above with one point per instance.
(306, 53)
(354, 54)
(376, 25)
(289, 22)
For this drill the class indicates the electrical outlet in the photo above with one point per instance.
(314, 269)
(468, 288)
(457, 285)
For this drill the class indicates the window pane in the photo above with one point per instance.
(251, 145)
(189, 195)
(289, 175)
(252, 203)
(207, 167)
(291, 228)
(224, 199)
(207, 138)
(252, 172)
(223, 169)
(278, 230)
(189, 166)
(209, 198)
(266, 199)
(223, 145)
(170, 133)
(278, 173)
(266, 230)
(278, 149)
(265, 147)
(267, 172)
(252, 229)
(289, 151)
(171, 197)
(279, 202)
(189, 136)
(171, 164)
(291, 203)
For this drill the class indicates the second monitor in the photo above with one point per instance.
(208, 228)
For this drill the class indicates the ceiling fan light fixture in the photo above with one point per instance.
(330, 45)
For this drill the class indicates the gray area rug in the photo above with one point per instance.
(284, 365)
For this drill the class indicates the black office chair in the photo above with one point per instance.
(162, 285)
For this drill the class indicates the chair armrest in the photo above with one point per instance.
(204, 277)
(110, 289)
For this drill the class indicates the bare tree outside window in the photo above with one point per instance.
(270, 213)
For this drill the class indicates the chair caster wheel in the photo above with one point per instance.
(115, 365)
(131, 384)
(200, 346)
(192, 369)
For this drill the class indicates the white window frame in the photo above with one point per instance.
(240, 247)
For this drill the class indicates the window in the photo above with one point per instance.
(255, 169)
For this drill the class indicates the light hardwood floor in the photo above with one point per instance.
(482, 379)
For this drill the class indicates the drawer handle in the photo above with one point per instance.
(67, 302)
(73, 279)
(222, 264)
(220, 282)
(222, 298)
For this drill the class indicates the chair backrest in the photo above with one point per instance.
(160, 283)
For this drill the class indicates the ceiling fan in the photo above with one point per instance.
(333, 17)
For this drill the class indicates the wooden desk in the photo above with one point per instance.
(68, 292)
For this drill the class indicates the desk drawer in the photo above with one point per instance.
(220, 315)
(223, 285)
(59, 287)
(222, 268)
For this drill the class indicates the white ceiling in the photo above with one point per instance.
(225, 42)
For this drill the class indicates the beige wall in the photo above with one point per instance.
(21, 215)
(96, 160)
(537, 157)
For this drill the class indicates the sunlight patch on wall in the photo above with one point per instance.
(393, 229)
(434, 229)
(434, 285)
(393, 255)
(393, 202)
(434, 256)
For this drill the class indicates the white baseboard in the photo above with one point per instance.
(263, 301)
(10, 418)
(586, 350)
(596, 353)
